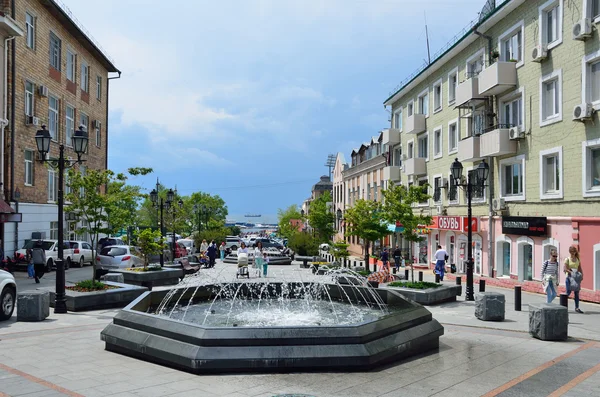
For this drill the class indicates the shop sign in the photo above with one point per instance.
(446, 223)
(18, 217)
(525, 225)
(474, 224)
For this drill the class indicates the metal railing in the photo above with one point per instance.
(497, 127)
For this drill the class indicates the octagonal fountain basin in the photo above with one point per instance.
(272, 327)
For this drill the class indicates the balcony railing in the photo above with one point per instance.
(415, 166)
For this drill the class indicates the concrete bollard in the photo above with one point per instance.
(354, 263)
(481, 285)
(406, 274)
(437, 278)
(458, 280)
(420, 276)
(517, 298)
(394, 270)
(564, 300)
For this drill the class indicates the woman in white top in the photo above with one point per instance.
(203, 247)
(242, 255)
(550, 276)
(258, 257)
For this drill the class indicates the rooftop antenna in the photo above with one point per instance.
(427, 38)
(330, 163)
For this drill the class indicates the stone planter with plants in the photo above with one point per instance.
(426, 293)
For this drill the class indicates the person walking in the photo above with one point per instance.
(265, 263)
(222, 250)
(29, 258)
(385, 256)
(203, 247)
(397, 257)
(258, 257)
(440, 261)
(574, 275)
(38, 256)
(550, 276)
(211, 251)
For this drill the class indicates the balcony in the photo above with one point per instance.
(468, 149)
(391, 136)
(496, 142)
(415, 124)
(391, 173)
(467, 91)
(415, 166)
(498, 78)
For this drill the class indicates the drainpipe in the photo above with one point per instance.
(13, 58)
(4, 121)
(490, 233)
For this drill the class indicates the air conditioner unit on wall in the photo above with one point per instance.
(43, 90)
(582, 29)
(539, 53)
(583, 112)
(32, 120)
(515, 133)
(498, 204)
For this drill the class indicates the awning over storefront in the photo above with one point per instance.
(7, 213)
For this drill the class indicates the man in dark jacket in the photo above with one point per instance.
(397, 257)
(38, 257)
(212, 254)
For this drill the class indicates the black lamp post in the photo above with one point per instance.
(197, 212)
(481, 175)
(79, 141)
(180, 203)
(158, 202)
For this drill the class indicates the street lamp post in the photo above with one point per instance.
(481, 174)
(161, 205)
(80, 144)
(180, 203)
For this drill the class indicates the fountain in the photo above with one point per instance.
(333, 322)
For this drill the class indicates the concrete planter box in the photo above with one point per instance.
(431, 296)
(108, 299)
(166, 276)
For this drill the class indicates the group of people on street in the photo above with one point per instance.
(572, 271)
(261, 259)
(398, 258)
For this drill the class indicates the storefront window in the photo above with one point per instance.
(422, 251)
(505, 258)
(528, 261)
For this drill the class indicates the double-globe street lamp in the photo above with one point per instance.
(79, 141)
(180, 203)
(161, 205)
(480, 176)
(202, 213)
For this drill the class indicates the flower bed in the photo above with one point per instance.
(147, 269)
(414, 285)
(90, 286)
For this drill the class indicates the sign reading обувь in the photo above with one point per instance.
(525, 225)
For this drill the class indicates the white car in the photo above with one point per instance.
(189, 245)
(119, 257)
(79, 253)
(8, 294)
(51, 248)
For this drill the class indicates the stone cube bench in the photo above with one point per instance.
(548, 321)
(489, 306)
(115, 277)
(33, 305)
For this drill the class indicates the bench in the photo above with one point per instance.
(489, 306)
(115, 277)
(33, 305)
(304, 260)
(187, 267)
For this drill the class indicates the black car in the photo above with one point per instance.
(267, 243)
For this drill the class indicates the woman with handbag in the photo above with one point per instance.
(550, 276)
(574, 276)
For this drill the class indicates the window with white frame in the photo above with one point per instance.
(423, 146)
(85, 77)
(512, 178)
(70, 65)
(29, 98)
(437, 96)
(591, 168)
(437, 189)
(590, 92)
(98, 134)
(551, 185)
(30, 30)
(53, 117)
(476, 122)
(511, 44)
(475, 64)
(551, 98)
(69, 125)
(52, 185)
(477, 189)
(410, 108)
(29, 158)
(398, 119)
(437, 142)
(511, 110)
(54, 230)
(397, 156)
(410, 152)
(452, 190)
(593, 10)
(423, 101)
(55, 51)
(98, 87)
(453, 137)
(84, 120)
(452, 84)
(550, 17)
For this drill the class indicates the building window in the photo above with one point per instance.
(98, 134)
(551, 173)
(591, 79)
(437, 96)
(453, 137)
(591, 168)
(98, 87)
(29, 157)
(53, 117)
(452, 84)
(423, 183)
(410, 152)
(55, 50)
(398, 119)
(397, 159)
(593, 10)
(54, 230)
(423, 146)
(70, 125)
(475, 64)
(423, 101)
(452, 190)
(551, 98)
(477, 190)
(30, 30)
(29, 90)
(512, 178)
(437, 143)
(85, 77)
(52, 185)
(84, 120)
(512, 110)
(476, 123)
(410, 108)
(70, 65)
(511, 44)
(550, 17)
(437, 189)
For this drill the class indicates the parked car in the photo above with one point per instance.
(80, 252)
(106, 241)
(51, 248)
(119, 257)
(8, 295)
(189, 245)
(180, 250)
(232, 242)
(267, 243)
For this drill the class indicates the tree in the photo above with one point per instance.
(286, 217)
(340, 250)
(321, 218)
(364, 220)
(150, 243)
(303, 244)
(123, 200)
(234, 230)
(398, 206)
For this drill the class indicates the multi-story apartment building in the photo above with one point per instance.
(58, 76)
(519, 90)
(339, 194)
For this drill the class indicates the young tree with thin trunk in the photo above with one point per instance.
(321, 218)
(364, 220)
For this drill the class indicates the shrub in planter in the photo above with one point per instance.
(414, 285)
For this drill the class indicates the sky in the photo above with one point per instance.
(245, 99)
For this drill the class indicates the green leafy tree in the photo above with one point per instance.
(321, 218)
(150, 243)
(303, 244)
(364, 220)
(340, 250)
(285, 217)
(399, 206)
(217, 234)
(234, 231)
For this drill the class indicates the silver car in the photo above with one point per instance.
(119, 257)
